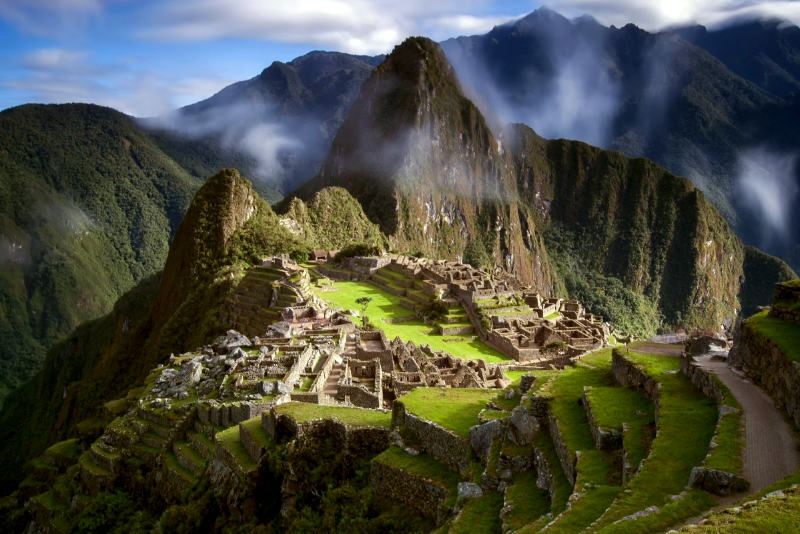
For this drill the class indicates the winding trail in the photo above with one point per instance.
(771, 446)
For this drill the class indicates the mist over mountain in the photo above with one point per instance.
(700, 110)
(281, 122)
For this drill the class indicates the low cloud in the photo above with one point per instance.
(767, 185)
(243, 127)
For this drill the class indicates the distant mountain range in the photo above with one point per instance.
(718, 107)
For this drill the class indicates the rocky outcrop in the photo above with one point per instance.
(716, 481)
(482, 437)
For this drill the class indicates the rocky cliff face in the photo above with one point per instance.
(425, 166)
(634, 221)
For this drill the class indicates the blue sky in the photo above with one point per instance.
(147, 57)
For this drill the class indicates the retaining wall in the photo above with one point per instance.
(769, 367)
(439, 442)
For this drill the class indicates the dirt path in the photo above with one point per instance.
(771, 446)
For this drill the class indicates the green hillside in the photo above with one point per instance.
(88, 205)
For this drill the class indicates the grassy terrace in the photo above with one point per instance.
(303, 411)
(479, 515)
(566, 388)
(454, 409)
(683, 412)
(773, 514)
(256, 432)
(384, 305)
(727, 455)
(529, 501)
(785, 334)
(229, 439)
(611, 407)
(559, 500)
(422, 465)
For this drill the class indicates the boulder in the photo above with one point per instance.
(231, 339)
(522, 426)
(482, 436)
(469, 490)
(716, 481)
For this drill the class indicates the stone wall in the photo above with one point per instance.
(420, 493)
(702, 378)
(629, 375)
(604, 438)
(225, 415)
(324, 373)
(293, 376)
(785, 302)
(439, 442)
(568, 462)
(354, 440)
(767, 365)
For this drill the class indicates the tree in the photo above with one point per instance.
(475, 254)
(363, 302)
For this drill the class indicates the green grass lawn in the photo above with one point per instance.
(686, 422)
(304, 411)
(785, 334)
(386, 305)
(229, 439)
(481, 516)
(454, 409)
(562, 492)
(729, 437)
(612, 406)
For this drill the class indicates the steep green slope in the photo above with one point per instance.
(226, 228)
(331, 219)
(88, 204)
(425, 166)
(632, 221)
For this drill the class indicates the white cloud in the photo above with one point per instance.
(55, 75)
(50, 17)
(657, 15)
(356, 26)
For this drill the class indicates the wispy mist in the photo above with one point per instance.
(767, 186)
(570, 93)
(244, 128)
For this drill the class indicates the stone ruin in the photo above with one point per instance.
(378, 371)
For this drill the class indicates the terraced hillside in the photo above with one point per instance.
(598, 447)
